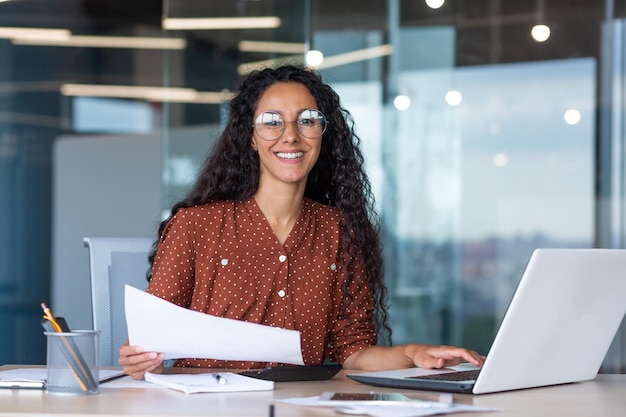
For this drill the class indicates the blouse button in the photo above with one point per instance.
(281, 293)
(224, 261)
(333, 267)
(282, 258)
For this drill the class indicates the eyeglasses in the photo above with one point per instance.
(310, 123)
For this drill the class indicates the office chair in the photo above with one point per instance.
(114, 262)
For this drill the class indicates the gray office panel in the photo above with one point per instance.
(102, 186)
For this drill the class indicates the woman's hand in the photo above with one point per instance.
(381, 358)
(136, 362)
(430, 356)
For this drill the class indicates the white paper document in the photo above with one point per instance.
(194, 383)
(160, 326)
(36, 377)
(377, 409)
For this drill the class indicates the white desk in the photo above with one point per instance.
(605, 396)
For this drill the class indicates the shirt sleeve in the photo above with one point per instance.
(353, 330)
(173, 270)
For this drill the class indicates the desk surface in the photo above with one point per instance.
(603, 396)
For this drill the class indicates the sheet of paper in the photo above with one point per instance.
(40, 374)
(194, 383)
(160, 326)
(382, 410)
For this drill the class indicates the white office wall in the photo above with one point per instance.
(102, 186)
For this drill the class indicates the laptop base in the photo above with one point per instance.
(406, 383)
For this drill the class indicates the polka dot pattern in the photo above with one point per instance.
(224, 259)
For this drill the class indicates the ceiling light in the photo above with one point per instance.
(500, 160)
(356, 56)
(125, 91)
(540, 33)
(328, 62)
(435, 4)
(402, 102)
(314, 58)
(105, 42)
(453, 98)
(572, 117)
(271, 47)
(156, 94)
(269, 22)
(33, 33)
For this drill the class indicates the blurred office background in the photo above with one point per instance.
(490, 128)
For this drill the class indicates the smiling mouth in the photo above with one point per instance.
(290, 155)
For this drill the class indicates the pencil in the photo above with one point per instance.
(47, 314)
(77, 365)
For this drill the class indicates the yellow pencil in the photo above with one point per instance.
(47, 314)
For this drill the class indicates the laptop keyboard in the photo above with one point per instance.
(451, 376)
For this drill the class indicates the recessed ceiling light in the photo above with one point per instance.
(217, 23)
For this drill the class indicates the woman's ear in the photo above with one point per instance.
(253, 144)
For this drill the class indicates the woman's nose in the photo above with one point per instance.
(291, 132)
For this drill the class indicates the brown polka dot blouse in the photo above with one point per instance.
(224, 259)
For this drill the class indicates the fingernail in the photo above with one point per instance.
(152, 355)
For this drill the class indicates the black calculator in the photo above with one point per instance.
(290, 373)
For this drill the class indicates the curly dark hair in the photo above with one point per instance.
(231, 172)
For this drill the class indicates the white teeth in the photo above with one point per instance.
(290, 155)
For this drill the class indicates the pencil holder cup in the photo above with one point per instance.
(72, 362)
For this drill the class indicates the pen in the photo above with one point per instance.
(220, 379)
(112, 378)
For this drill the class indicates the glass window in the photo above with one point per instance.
(479, 130)
(489, 128)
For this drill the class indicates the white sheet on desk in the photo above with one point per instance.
(195, 383)
(381, 410)
(160, 326)
(41, 373)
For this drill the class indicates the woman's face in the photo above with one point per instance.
(291, 156)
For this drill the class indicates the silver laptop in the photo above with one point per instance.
(557, 329)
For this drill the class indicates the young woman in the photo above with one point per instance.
(279, 229)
